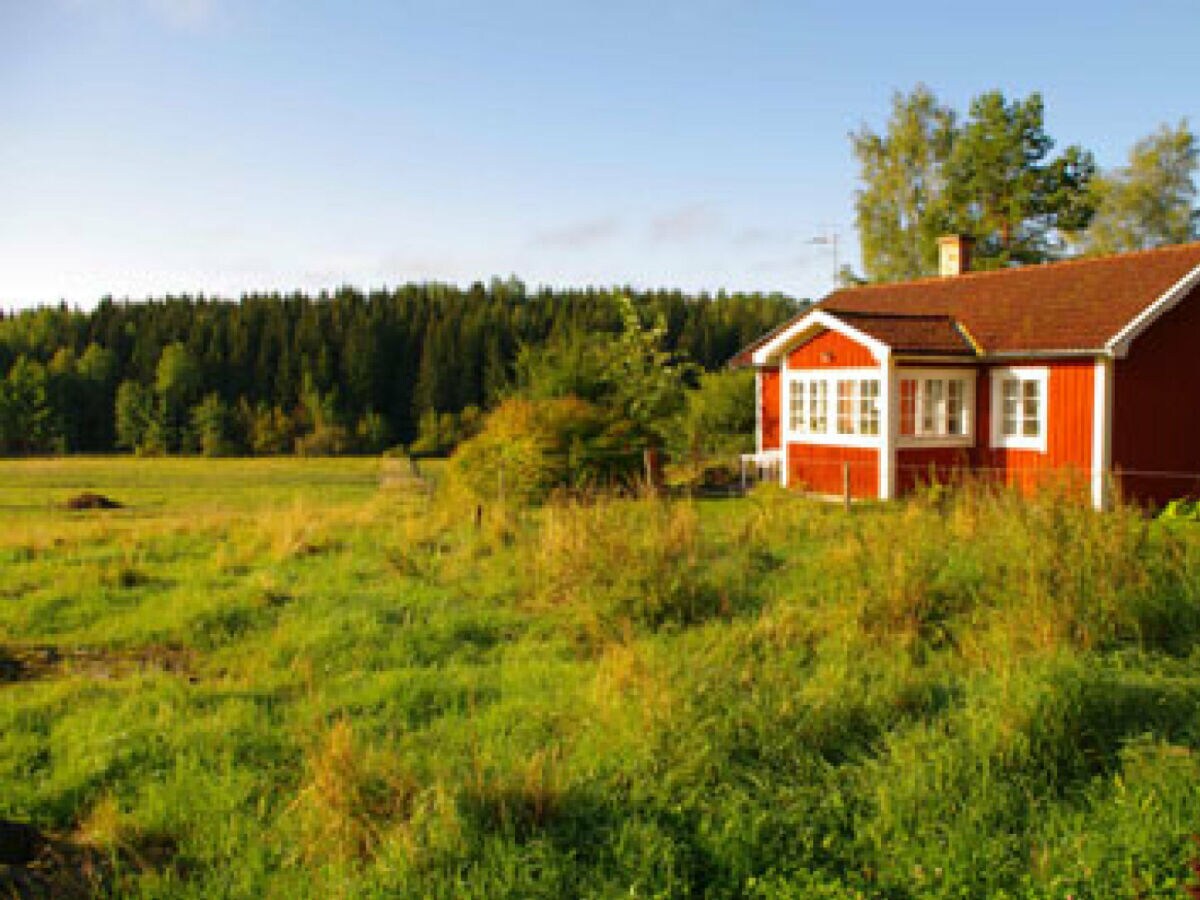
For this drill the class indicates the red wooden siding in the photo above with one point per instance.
(918, 466)
(818, 468)
(1068, 455)
(1156, 408)
(769, 412)
(828, 350)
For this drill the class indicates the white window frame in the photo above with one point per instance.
(831, 436)
(1039, 375)
(937, 438)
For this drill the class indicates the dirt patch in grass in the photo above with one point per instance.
(38, 661)
(36, 864)
(90, 500)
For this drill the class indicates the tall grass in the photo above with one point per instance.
(283, 693)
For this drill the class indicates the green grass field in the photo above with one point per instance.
(307, 678)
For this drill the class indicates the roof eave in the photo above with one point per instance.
(816, 320)
(1118, 345)
(1044, 354)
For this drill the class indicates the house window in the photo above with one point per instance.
(796, 418)
(935, 405)
(1019, 401)
(834, 409)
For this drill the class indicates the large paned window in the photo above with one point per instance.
(936, 405)
(1019, 402)
(829, 407)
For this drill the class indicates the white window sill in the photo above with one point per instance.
(1014, 442)
(833, 440)
(917, 441)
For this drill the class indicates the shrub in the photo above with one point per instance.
(327, 440)
(716, 425)
(645, 562)
(527, 448)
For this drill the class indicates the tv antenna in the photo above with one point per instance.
(828, 238)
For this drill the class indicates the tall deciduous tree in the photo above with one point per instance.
(26, 416)
(901, 171)
(133, 413)
(1152, 200)
(176, 381)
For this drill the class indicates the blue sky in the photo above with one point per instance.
(154, 146)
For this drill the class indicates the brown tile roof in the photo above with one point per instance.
(1074, 305)
(937, 334)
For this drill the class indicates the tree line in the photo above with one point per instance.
(347, 371)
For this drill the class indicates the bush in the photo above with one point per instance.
(716, 425)
(440, 433)
(527, 448)
(327, 440)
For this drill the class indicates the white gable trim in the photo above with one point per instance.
(814, 321)
(1119, 344)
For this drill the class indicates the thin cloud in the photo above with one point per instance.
(579, 235)
(687, 223)
(762, 237)
(181, 15)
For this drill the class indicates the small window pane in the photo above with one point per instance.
(1011, 389)
(845, 407)
(796, 412)
(954, 406)
(1031, 396)
(933, 407)
(908, 406)
(818, 411)
(868, 407)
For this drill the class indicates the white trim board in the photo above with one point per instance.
(888, 424)
(758, 410)
(1102, 430)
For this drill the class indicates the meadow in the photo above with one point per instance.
(316, 678)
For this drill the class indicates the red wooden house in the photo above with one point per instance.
(1087, 369)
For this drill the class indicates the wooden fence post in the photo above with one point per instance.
(846, 485)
